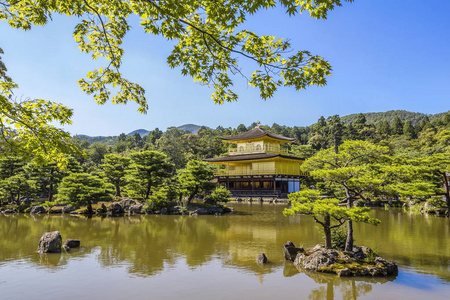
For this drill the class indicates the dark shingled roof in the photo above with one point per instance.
(256, 133)
(249, 157)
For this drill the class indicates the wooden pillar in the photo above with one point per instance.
(253, 184)
(274, 185)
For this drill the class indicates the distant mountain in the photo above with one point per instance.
(438, 116)
(375, 117)
(192, 128)
(109, 140)
(142, 132)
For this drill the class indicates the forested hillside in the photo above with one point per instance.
(168, 165)
(389, 116)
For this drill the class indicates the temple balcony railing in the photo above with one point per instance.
(278, 171)
(256, 149)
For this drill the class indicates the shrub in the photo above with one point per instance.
(156, 201)
(220, 194)
(338, 237)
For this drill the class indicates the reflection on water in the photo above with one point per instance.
(224, 249)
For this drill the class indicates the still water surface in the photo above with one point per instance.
(207, 257)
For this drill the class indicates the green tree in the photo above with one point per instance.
(383, 127)
(137, 141)
(326, 211)
(397, 126)
(419, 177)
(49, 175)
(153, 136)
(318, 139)
(219, 194)
(10, 166)
(360, 121)
(352, 173)
(115, 169)
(148, 169)
(408, 130)
(209, 39)
(25, 128)
(97, 152)
(171, 144)
(195, 178)
(14, 181)
(335, 131)
(303, 151)
(81, 189)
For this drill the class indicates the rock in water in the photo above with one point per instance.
(126, 203)
(320, 259)
(114, 210)
(136, 208)
(290, 251)
(50, 242)
(69, 243)
(262, 259)
(37, 210)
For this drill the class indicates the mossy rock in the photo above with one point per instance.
(362, 262)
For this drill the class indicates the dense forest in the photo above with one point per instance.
(160, 166)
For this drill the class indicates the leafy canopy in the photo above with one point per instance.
(352, 172)
(326, 211)
(210, 39)
(80, 189)
(25, 128)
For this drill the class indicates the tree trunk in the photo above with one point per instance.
(327, 231)
(147, 192)
(50, 188)
(191, 196)
(445, 180)
(90, 210)
(349, 241)
(50, 195)
(118, 191)
(336, 146)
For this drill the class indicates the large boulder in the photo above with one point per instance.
(50, 242)
(67, 209)
(262, 259)
(25, 201)
(136, 208)
(227, 209)
(362, 261)
(201, 211)
(361, 252)
(126, 203)
(37, 210)
(319, 259)
(390, 266)
(214, 210)
(70, 243)
(290, 251)
(103, 209)
(114, 210)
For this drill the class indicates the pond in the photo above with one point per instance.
(208, 257)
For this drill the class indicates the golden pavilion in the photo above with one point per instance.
(257, 165)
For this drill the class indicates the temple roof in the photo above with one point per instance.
(256, 133)
(255, 156)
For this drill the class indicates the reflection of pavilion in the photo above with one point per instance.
(258, 166)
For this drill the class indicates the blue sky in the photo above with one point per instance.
(385, 54)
